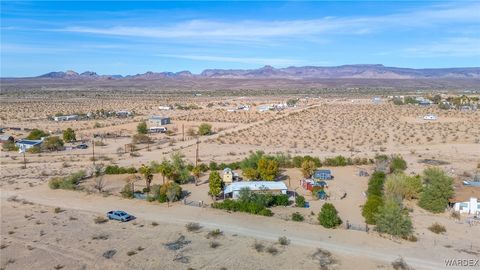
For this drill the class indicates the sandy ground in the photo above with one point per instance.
(32, 234)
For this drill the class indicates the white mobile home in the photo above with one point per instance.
(471, 206)
(234, 188)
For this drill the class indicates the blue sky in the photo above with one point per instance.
(134, 37)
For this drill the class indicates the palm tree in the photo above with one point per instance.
(147, 173)
(165, 169)
(196, 172)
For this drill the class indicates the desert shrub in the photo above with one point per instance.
(141, 138)
(127, 191)
(393, 219)
(371, 208)
(400, 264)
(204, 129)
(437, 190)
(455, 215)
(213, 166)
(437, 228)
(272, 250)
(214, 233)
(115, 169)
(69, 135)
(36, 134)
(214, 244)
(259, 247)
(100, 220)
(328, 216)
(397, 164)
(250, 202)
(171, 192)
(9, 146)
(193, 227)
(297, 217)
(250, 173)
(34, 150)
(283, 240)
(53, 143)
(142, 128)
(69, 182)
(336, 161)
(203, 167)
(300, 201)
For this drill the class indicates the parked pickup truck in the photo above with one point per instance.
(120, 216)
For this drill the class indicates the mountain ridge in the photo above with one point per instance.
(359, 71)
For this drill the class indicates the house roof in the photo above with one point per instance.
(5, 137)
(464, 193)
(29, 142)
(256, 185)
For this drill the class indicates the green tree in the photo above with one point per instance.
(402, 186)
(371, 208)
(196, 172)
(165, 169)
(146, 171)
(215, 184)
(204, 129)
(142, 128)
(375, 184)
(69, 135)
(299, 201)
(328, 216)
(397, 164)
(53, 143)
(250, 173)
(308, 167)
(437, 190)
(393, 219)
(36, 134)
(267, 168)
(170, 192)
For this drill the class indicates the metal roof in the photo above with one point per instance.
(256, 185)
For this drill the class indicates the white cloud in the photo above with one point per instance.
(258, 30)
(453, 47)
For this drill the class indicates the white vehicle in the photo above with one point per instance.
(430, 117)
(157, 130)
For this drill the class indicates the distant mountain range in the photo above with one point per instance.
(307, 72)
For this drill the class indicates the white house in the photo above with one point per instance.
(256, 186)
(471, 206)
(72, 117)
(159, 120)
(430, 117)
(164, 108)
(27, 144)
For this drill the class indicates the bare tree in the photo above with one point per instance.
(99, 183)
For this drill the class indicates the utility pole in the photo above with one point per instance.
(196, 153)
(24, 160)
(93, 152)
(183, 131)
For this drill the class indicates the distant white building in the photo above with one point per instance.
(256, 186)
(72, 117)
(264, 108)
(159, 120)
(164, 108)
(430, 117)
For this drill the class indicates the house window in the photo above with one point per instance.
(463, 205)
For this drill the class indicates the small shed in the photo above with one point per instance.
(322, 175)
(6, 138)
(227, 175)
(159, 120)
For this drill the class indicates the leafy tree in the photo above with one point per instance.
(204, 129)
(252, 160)
(213, 166)
(69, 135)
(53, 143)
(215, 184)
(437, 190)
(142, 128)
(371, 208)
(375, 184)
(196, 172)
(393, 219)
(401, 186)
(165, 169)
(397, 164)
(328, 216)
(308, 167)
(36, 134)
(170, 192)
(146, 171)
(267, 168)
(250, 173)
(179, 173)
